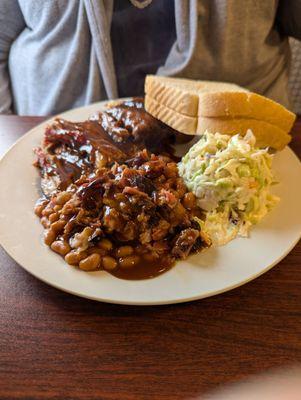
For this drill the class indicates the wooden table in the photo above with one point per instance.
(57, 346)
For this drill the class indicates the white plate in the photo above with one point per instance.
(202, 275)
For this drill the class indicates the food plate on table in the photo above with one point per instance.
(202, 274)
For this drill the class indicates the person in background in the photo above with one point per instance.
(60, 54)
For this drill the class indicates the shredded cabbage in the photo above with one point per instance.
(231, 179)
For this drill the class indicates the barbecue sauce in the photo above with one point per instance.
(144, 269)
(117, 135)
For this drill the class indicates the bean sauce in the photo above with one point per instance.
(143, 270)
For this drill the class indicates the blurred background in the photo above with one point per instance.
(295, 76)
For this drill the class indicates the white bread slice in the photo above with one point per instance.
(216, 99)
(267, 135)
(174, 119)
(245, 105)
(182, 95)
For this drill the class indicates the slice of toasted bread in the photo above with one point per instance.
(245, 105)
(175, 120)
(267, 135)
(216, 99)
(182, 95)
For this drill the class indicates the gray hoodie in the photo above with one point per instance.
(57, 54)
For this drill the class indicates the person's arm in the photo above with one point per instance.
(11, 24)
(288, 18)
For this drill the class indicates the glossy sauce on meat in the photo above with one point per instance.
(71, 148)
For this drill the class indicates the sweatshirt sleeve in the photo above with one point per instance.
(288, 19)
(11, 24)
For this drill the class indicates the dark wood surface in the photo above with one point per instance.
(57, 346)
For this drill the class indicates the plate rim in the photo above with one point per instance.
(164, 302)
(120, 301)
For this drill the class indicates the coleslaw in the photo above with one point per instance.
(231, 179)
